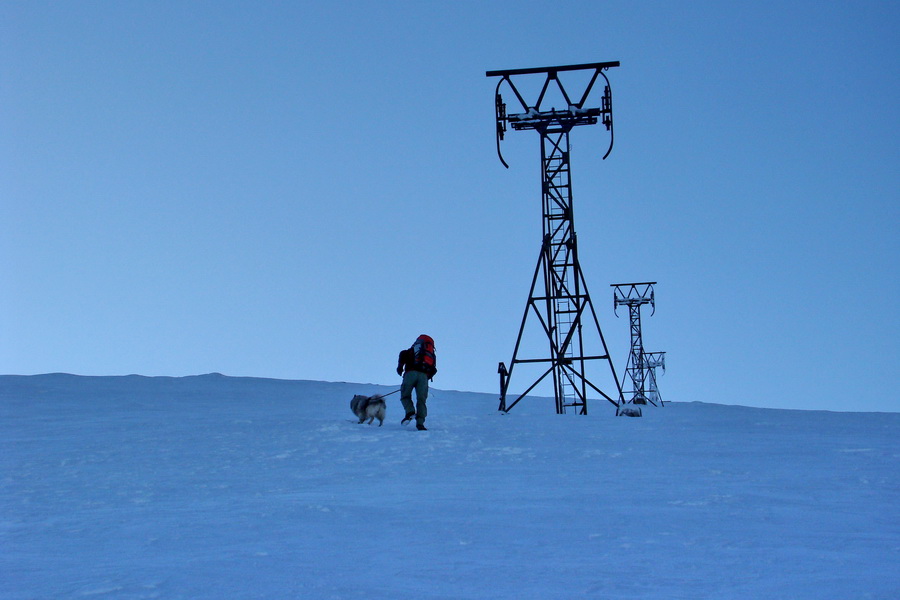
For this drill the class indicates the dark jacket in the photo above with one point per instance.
(406, 362)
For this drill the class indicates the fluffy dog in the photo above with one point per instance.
(368, 407)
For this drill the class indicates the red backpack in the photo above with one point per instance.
(423, 355)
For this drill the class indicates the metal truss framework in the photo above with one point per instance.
(653, 361)
(641, 367)
(563, 305)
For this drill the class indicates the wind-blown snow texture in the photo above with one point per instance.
(212, 487)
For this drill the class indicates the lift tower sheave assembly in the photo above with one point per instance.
(563, 306)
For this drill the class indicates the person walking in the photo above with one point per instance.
(418, 365)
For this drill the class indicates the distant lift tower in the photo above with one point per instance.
(641, 367)
(654, 360)
(563, 305)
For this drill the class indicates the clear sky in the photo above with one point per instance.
(297, 190)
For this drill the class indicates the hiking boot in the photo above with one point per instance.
(409, 417)
(421, 427)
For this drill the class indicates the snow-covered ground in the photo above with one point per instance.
(221, 488)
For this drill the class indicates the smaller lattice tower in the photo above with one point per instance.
(640, 371)
(654, 360)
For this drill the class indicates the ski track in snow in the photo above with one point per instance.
(213, 487)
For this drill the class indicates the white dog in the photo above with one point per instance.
(368, 407)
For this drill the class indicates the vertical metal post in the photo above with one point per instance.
(635, 369)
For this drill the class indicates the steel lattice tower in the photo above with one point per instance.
(563, 305)
(641, 367)
(654, 360)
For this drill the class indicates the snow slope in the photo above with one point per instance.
(221, 488)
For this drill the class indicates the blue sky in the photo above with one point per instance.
(297, 191)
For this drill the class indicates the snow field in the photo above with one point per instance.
(213, 487)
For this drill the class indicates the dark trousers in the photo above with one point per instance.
(418, 381)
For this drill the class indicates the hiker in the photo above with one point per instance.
(418, 365)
